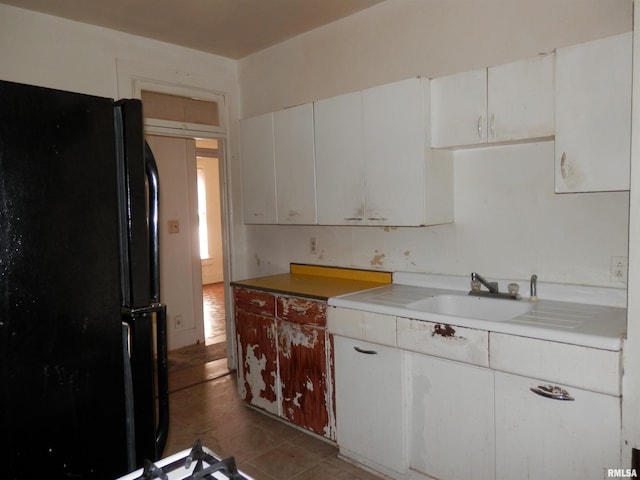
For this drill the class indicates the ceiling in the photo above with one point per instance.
(230, 28)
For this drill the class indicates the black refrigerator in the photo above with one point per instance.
(83, 335)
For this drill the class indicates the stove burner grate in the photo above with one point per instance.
(206, 467)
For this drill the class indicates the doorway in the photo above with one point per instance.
(188, 129)
(191, 199)
(210, 239)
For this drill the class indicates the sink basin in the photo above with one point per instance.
(468, 306)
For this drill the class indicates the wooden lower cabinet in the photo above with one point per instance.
(302, 362)
(284, 357)
(257, 360)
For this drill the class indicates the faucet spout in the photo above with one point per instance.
(491, 286)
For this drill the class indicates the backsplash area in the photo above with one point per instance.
(509, 223)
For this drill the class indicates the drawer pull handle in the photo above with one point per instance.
(299, 310)
(552, 391)
(259, 303)
(366, 352)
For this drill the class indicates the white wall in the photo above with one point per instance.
(52, 52)
(509, 223)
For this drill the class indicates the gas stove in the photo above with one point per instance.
(191, 464)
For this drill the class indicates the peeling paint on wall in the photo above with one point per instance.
(377, 259)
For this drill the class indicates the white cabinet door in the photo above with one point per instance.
(394, 148)
(258, 169)
(373, 164)
(452, 419)
(540, 438)
(593, 115)
(370, 414)
(340, 162)
(520, 100)
(406, 183)
(506, 103)
(295, 165)
(459, 109)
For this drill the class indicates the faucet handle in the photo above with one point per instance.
(534, 288)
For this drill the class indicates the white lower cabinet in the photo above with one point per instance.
(540, 438)
(370, 413)
(452, 419)
(444, 402)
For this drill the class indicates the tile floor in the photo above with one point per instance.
(205, 405)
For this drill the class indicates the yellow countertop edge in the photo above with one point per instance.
(340, 272)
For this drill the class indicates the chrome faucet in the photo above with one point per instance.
(491, 286)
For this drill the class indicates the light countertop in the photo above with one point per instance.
(573, 322)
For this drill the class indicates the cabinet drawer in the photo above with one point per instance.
(582, 367)
(361, 325)
(440, 340)
(255, 301)
(302, 310)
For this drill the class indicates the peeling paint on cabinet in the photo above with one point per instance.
(303, 375)
(285, 353)
(257, 366)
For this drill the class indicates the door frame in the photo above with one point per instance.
(132, 79)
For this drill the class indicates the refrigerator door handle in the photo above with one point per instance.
(163, 378)
(154, 233)
(151, 170)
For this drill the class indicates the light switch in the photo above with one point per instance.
(174, 226)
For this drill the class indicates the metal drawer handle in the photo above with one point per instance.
(259, 303)
(552, 391)
(366, 352)
(299, 309)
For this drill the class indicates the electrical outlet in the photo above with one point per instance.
(313, 246)
(619, 266)
(178, 324)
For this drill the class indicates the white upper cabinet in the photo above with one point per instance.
(295, 165)
(520, 100)
(459, 109)
(373, 159)
(258, 169)
(278, 167)
(593, 115)
(340, 167)
(507, 103)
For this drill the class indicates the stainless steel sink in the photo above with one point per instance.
(469, 306)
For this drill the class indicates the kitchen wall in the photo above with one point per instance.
(53, 52)
(509, 223)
